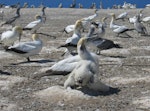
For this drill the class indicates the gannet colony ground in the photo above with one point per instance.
(24, 86)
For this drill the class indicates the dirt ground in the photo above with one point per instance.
(126, 70)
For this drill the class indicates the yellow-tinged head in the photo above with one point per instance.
(113, 15)
(82, 41)
(35, 36)
(18, 29)
(95, 11)
(37, 17)
(78, 24)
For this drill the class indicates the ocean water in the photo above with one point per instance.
(85, 3)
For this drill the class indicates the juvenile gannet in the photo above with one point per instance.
(31, 25)
(27, 49)
(83, 75)
(9, 37)
(139, 27)
(43, 14)
(13, 19)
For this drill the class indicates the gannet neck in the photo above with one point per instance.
(82, 51)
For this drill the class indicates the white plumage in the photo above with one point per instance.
(27, 49)
(146, 20)
(72, 41)
(122, 16)
(85, 71)
(9, 37)
(34, 24)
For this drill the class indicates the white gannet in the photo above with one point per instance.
(9, 37)
(119, 29)
(69, 28)
(146, 20)
(85, 21)
(13, 19)
(71, 42)
(36, 23)
(122, 16)
(139, 27)
(112, 24)
(83, 75)
(27, 49)
(133, 19)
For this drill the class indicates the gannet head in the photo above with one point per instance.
(17, 29)
(78, 24)
(81, 44)
(37, 17)
(35, 36)
(141, 11)
(113, 15)
(95, 11)
(104, 18)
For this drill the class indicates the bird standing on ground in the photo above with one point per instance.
(9, 37)
(71, 43)
(96, 40)
(119, 29)
(27, 49)
(139, 27)
(83, 75)
(35, 24)
(13, 19)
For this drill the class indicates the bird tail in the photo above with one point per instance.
(117, 46)
(26, 29)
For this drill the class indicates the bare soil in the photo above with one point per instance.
(126, 70)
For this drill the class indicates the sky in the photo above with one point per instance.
(85, 3)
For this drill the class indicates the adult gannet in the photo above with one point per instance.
(9, 37)
(119, 29)
(31, 25)
(122, 16)
(112, 24)
(146, 20)
(13, 19)
(27, 49)
(83, 75)
(87, 20)
(139, 27)
(71, 42)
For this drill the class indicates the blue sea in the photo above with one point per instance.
(85, 3)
